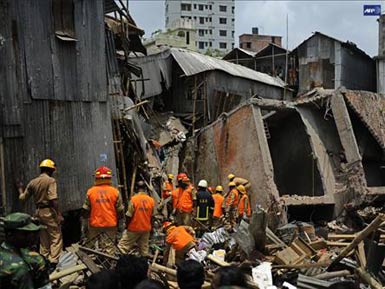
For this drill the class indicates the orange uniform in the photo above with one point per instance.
(140, 213)
(175, 194)
(185, 203)
(178, 237)
(168, 187)
(103, 201)
(232, 199)
(244, 206)
(218, 202)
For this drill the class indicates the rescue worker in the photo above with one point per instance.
(20, 267)
(218, 203)
(185, 203)
(103, 207)
(205, 206)
(140, 212)
(177, 192)
(180, 238)
(231, 203)
(239, 181)
(244, 208)
(168, 186)
(44, 191)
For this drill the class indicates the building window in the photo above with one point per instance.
(201, 45)
(222, 20)
(166, 8)
(210, 44)
(201, 32)
(211, 32)
(232, 20)
(211, 7)
(166, 21)
(222, 8)
(185, 7)
(200, 7)
(187, 37)
(222, 45)
(232, 9)
(232, 34)
(206, 31)
(222, 33)
(232, 44)
(206, 44)
(195, 6)
(201, 20)
(207, 19)
(210, 19)
(206, 6)
(248, 44)
(63, 12)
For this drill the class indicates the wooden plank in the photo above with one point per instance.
(360, 236)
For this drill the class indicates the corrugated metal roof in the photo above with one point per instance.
(193, 63)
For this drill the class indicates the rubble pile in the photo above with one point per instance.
(296, 255)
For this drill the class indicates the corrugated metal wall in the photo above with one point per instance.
(53, 96)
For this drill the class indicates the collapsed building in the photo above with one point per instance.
(321, 151)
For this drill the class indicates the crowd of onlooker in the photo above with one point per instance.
(133, 272)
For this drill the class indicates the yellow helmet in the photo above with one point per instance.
(47, 163)
(219, 189)
(241, 189)
(232, 184)
(170, 176)
(231, 176)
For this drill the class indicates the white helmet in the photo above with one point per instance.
(203, 184)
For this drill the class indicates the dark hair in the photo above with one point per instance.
(229, 276)
(150, 284)
(190, 275)
(132, 270)
(103, 280)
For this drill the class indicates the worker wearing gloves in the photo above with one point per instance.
(218, 203)
(244, 209)
(231, 203)
(239, 181)
(140, 212)
(185, 203)
(180, 238)
(103, 209)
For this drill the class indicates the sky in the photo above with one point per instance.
(343, 20)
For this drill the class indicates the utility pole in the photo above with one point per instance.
(287, 53)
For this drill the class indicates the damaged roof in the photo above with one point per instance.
(194, 63)
(348, 44)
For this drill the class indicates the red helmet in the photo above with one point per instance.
(166, 225)
(181, 176)
(103, 173)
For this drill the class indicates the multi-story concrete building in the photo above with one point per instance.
(256, 42)
(214, 22)
(180, 34)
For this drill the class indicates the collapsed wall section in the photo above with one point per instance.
(236, 144)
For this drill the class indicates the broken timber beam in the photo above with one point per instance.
(360, 236)
(365, 276)
(57, 275)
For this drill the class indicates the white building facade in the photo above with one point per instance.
(214, 22)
